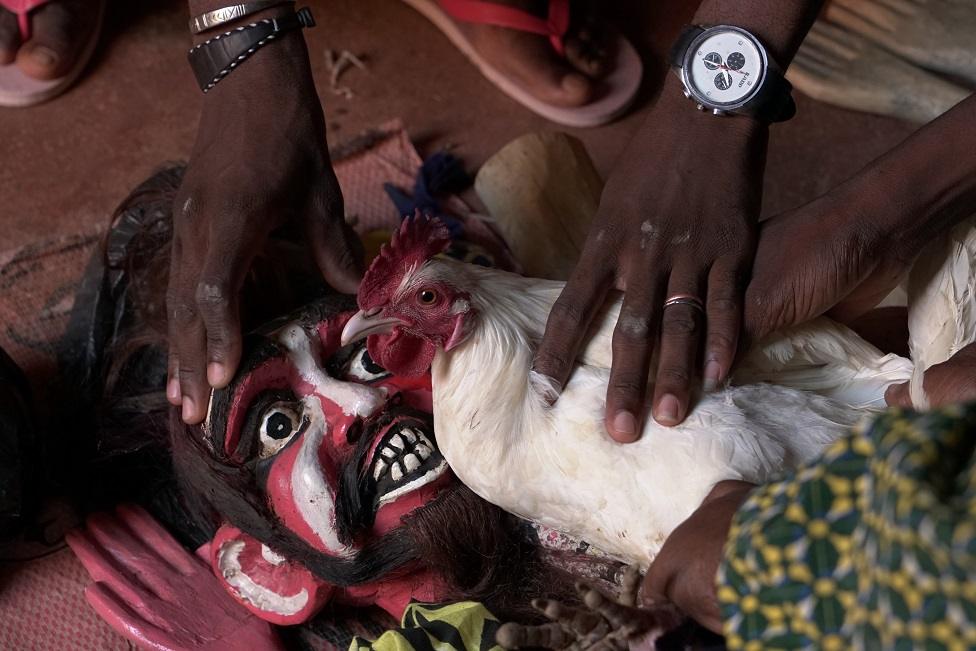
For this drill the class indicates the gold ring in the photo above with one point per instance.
(685, 299)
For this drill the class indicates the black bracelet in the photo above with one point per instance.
(215, 58)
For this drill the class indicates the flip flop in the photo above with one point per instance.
(19, 89)
(614, 93)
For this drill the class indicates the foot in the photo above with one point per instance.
(840, 67)
(936, 34)
(598, 622)
(59, 32)
(530, 58)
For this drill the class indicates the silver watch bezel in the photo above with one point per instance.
(705, 101)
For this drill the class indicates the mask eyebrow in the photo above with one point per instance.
(228, 409)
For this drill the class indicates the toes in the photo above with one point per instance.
(9, 37)
(589, 57)
(60, 33)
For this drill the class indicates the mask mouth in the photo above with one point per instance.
(404, 459)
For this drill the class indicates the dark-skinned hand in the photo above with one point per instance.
(683, 572)
(829, 256)
(678, 215)
(949, 383)
(260, 162)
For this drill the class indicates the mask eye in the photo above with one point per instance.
(361, 367)
(279, 424)
(426, 297)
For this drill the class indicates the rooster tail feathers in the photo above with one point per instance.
(418, 239)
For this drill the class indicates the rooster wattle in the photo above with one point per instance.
(476, 329)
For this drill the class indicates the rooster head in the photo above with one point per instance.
(409, 307)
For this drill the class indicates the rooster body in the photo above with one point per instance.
(556, 465)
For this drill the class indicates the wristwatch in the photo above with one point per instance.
(725, 69)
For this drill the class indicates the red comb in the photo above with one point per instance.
(419, 239)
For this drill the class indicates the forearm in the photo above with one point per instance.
(924, 185)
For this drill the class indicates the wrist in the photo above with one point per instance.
(673, 107)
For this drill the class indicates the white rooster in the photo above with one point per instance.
(477, 329)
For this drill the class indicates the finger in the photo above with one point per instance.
(102, 568)
(681, 330)
(337, 249)
(723, 321)
(577, 620)
(119, 614)
(546, 636)
(144, 527)
(188, 336)
(899, 395)
(132, 555)
(570, 317)
(633, 344)
(173, 392)
(217, 300)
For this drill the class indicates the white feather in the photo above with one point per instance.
(795, 393)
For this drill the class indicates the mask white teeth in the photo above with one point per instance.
(388, 453)
(422, 451)
(395, 473)
(424, 440)
(396, 442)
(411, 462)
(409, 435)
(379, 469)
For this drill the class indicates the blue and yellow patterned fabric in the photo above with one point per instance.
(871, 547)
(462, 626)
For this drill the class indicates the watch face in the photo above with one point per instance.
(724, 67)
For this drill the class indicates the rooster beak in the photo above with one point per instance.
(367, 322)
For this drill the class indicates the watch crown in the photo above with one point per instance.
(699, 107)
(687, 93)
(718, 112)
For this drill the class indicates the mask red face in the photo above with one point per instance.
(340, 449)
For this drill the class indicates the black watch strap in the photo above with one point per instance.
(677, 55)
(215, 58)
(774, 101)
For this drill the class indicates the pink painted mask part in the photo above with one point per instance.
(23, 8)
(156, 593)
(340, 450)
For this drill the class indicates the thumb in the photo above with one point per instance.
(337, 249)
(898, 395)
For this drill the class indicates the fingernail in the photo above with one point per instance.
(216, 374)
(173, 390)
(189, 407)
(667, 410)
(625, 423)
(713, 374)
(44, 56)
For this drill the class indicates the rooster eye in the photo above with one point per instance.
(427, 296)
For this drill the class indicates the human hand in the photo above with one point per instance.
(829, 255)
(951, 382)
(158, 595)
(677, 217)
(260, 162)
(683, 573)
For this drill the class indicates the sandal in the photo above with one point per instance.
(19, 89)
(614, 93)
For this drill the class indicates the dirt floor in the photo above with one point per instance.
(67, 163)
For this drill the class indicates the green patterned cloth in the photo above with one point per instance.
(462, 626)
(871, 547)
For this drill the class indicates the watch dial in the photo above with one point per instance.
(725, 68)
